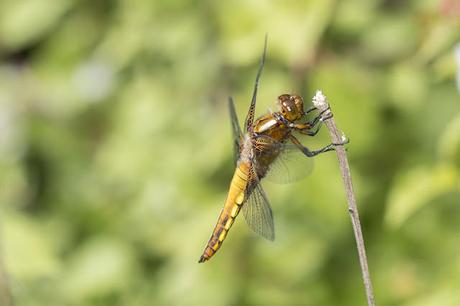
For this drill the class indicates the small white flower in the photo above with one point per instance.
(319, 100)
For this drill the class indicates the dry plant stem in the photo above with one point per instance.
(322, 105)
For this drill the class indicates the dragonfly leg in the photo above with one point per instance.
(308, 131)
(320, 118)
(306, 128)
(310, 153)
(310, 110)
(315, 121)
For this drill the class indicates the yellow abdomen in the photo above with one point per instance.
(232, 207)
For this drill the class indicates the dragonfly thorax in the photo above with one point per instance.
(291, 107)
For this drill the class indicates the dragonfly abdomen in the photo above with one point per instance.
(232, 207)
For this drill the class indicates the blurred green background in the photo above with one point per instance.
(116, 154)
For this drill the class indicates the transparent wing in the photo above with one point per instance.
(250, 116)
(256, 209)
(280, 162)
(236, 130)
(291, 165)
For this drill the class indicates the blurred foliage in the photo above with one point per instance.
(115, 151)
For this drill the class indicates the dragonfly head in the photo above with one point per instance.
(291, 106)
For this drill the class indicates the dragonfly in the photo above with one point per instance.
(258, 152)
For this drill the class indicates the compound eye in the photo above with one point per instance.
(289, 108)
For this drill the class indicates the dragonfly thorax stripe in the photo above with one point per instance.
(266, 125)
